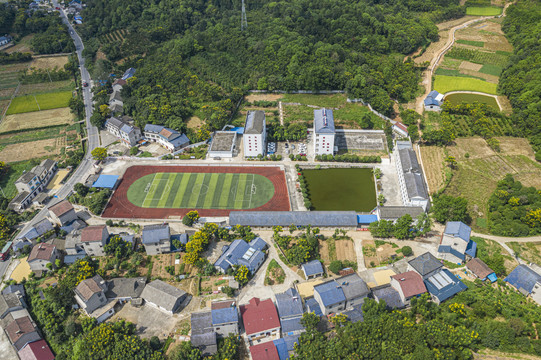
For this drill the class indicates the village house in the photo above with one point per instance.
(4, 40)
(203, 335)
(90, 295)
(410, 176)
(170, 139)
(433, 101)
(32, 183)
(225, 318)
(129, 135)
(481, 270)
(443, 285)
(36, 350)
(255, 134)
(156, 239)
(409, 285)
(93, 239)
(125, 289)
(425, 265)
(455, 244)
(324, 132)
(62, 213)
(163, 296)
(335, 296)
(10, 303)
(524, 278)
(312, 269)
(21, 332)
(290, 311)
(239, 252)
(261, 321)
(41, 255)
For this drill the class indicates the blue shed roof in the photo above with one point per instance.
(312, 267)
(492, 277)
(291, 325)
(289, 304)
(458, 229)
(330, 293)
(281, 347)
(471, 249)
(291, 340)
(313, 306)
(106, 181)
(238, 130)
(431, 101)
(366, 219)
(225, 315)
(433, 93)
(444, 285)
(523, 277)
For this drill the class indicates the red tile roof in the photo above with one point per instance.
(42, 251)
(479, 268)
(19, 327)
(259, 316)
(120, 82)
(411, 283)
(92, 233)
(265, 351)
(166, 133)
(61, 208)
(37, 350)
(401, 126)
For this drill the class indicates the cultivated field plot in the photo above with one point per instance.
(457, 99)
(30, 150)
(22, 46)
(36, 119)
(433, 157)
(483, 11)
(445, 84)
(345, 250)
(49, 62)
(28, 89)
(172, 191)
(46, 101)
(201, 191)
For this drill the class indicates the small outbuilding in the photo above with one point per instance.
(481, 270)
(163, 296)
(312, 269)
(106, 181)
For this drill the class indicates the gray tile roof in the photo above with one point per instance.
(153, 128)
(202, 331)
(291, 325)
(26, 177)
(408, 159)
(313, 306)
(162, 294)
(425, 263)
(390, 296)
(255, 122)
(125, 287)
(179, 140)
(312, 268)
(355, 315)
(395, 212)
(300, 218)
(353, 286)
(48, 164)
(13, 289)
(152, 234)
(324, 121)
(9, 301)
(115, 96)
(289, 304)
(225, 315)
(415, 185)
(240, 253)
(115, 122)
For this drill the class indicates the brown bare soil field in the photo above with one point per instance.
(324, 251)
(43, 87)
(516, 146)
(466, 65)
(345, 250)
(194, 122)
(476, 147)
(49, 62)
(433, 165)
(22, 46)
(36, 119)
(29, 150)
(263, 97)
(433, 48)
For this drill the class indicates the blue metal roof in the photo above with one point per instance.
(330, 293)
(238, 130)
(313, 306)
(492, 277)
(291, 325)
(225, 315)
(106, 181)
(471, 249)
(312, 268)
(366, 219)
(450, 250)
(390, 296)
(289, 304)
(281, 347)
(179, 140)
(433, 93)
(234, 254)
(152, 234)
(153, 128)
(128, 74)
(258, 244)
(458, 229)
(444, 285)
(523, 277)
(431, 101)
(37, 230)
(291, 340)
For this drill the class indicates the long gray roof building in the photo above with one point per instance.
(255, 122)
(324, 121)
(299, 218)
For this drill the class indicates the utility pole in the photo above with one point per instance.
(243, 20)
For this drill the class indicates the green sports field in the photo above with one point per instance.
(201, 191)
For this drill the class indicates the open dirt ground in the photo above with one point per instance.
(345, 250)
(264, 97)
(36, 119)
(22, 271)
(466, 65)
(56, 180)
(29, 150)
(49, 62)
(194, 122)
(516, 146)
(433, 165)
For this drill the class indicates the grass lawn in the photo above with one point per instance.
(7, 181)
(445, 84)
(46, 101)
(341, 189)
(201, 191)
(471, 42)
(483, 11)
(351, 114)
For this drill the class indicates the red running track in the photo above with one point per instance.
(120, 207)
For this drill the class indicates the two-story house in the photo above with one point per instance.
(32, 183)
(455, 244)
(241, 253)
(156, 239)
(425, 265)
(8, 303)
(225, 318)
(255, 134)
(203, 335)
(93, 239)
(62, 213)
(261, 321)
(128, 134)
(90, 295)
(339, 294)
(324, 132)
(290, 311)
(41, 255)
(21, 332)
(170, 139)
(409, 285)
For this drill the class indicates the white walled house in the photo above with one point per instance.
(324, 132)
(255, 134)
(32, 183)
(167, 138)
(128, 134)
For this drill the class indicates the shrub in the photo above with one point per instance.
(407, 251)
(336, 266)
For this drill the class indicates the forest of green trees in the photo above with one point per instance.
(301, 44)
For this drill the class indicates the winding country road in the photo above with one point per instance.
(429, 72)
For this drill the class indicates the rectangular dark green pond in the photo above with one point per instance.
(341, 189)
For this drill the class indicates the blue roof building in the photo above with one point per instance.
(355, 315)
(241, 253)
(312, 269)
(443, 285)
(290, 311)
(390, 296)
(456, 245)
(298, 218)
(366, 219)
(106, 181)
(313, 306)
(128, 74)
(156, 239)
(330, 297)
(433, 101)
(166, 137)
(523, 278)
(281, 347)
(37, 230)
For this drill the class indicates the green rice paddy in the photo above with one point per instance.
(341, 189)
(201, 191)
(456, 99)
(483, 10)
(45, 101)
